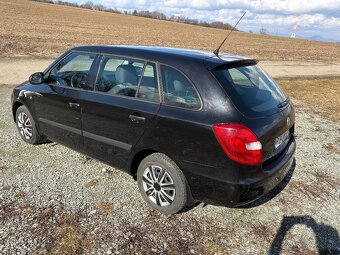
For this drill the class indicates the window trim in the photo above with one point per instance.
(191, 83)
(97, 64)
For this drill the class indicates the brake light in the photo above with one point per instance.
(239, 142)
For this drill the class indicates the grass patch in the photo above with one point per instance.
(68, 240)
(330, 148)
(105, 206)
(66, 218)
(90, 183)
(321, 95)
(20, 194)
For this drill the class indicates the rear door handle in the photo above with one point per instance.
(74, 105)
(137, 119)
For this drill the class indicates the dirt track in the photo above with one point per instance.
(17, 70)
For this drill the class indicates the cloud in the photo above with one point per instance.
(319, 16)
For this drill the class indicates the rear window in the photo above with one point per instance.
(252, 91)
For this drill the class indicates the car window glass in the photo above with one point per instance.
(72, 71)
(148, 88)
(253, 92)
(178, 91)
(239, 78)
(119, 76)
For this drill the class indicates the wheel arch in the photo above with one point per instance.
(15, 107)
(137, 158)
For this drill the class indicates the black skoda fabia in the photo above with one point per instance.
(188, 125)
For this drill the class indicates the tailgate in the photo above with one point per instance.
(273, 131)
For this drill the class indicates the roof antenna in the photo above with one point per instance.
(218, 49)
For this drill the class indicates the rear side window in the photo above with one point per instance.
(178, 90)
(119, 76)
(128, 77)
(148, 87)
(253, 92)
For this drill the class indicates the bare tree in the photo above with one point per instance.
(263, 31)
(99, 7)
(88, 5)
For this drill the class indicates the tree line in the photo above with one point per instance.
(147, 14)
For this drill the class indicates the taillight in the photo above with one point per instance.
(239, 142)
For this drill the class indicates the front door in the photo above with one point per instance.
(58, 107)
(123, 104)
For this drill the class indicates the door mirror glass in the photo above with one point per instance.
(36, 78)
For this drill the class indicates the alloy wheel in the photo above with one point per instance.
(158, 186)
(25, 126)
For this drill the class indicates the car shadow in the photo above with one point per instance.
(327, 237)
(273, 193)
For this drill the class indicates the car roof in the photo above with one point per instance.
(156, 53)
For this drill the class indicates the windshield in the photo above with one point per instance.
(253, 92)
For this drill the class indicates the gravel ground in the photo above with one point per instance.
(54, 200)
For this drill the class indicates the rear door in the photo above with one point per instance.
(123, 104)
(58, 107)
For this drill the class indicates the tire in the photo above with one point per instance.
(26, 126)
(169, 194)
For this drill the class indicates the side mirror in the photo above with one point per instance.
(36, 78)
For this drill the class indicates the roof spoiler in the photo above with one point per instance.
(235, 63)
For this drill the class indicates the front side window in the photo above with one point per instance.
(177, 89)
(73, 71)
(128, 77)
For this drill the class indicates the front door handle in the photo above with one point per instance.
(137, 119)
(74, 105)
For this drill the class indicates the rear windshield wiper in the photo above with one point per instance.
(283, 103)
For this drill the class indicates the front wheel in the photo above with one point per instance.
(26, 126)
(162, 184)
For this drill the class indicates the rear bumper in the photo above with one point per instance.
(233, 194)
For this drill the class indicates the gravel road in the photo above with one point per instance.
(54, 200)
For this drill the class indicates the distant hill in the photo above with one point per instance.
(320, 39)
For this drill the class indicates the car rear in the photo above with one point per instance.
(261, 146)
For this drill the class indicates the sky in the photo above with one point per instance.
(307, 18)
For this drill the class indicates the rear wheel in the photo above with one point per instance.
(26, 126)
(162, 184)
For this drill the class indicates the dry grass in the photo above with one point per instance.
(61, 232)
(320, 95)
(68, 239)
(330, 148)
(106, 207)
(90, 183)
(20, 194)
(6, 188)
(38, 29)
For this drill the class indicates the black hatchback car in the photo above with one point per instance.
(189, 125)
